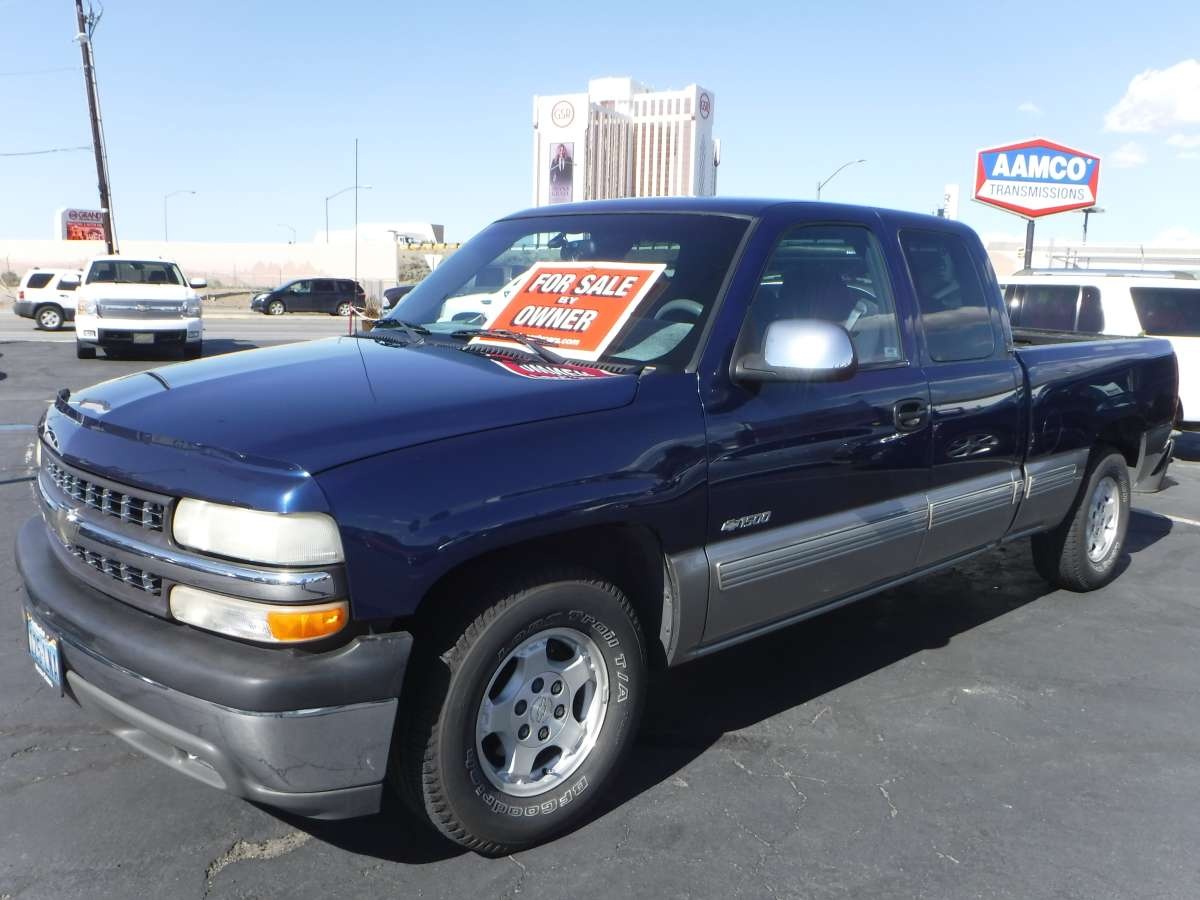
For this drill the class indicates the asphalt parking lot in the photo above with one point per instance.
(972, 734)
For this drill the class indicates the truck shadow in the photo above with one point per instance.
(694, 707)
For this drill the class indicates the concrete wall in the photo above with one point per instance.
(1008, 256)
(253, 265)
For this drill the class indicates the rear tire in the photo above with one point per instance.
(490, 755)
(84, 351)
(49, 317)
(1081, 554)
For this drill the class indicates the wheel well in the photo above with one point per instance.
(1125, 436)
(47, 305)
(629, 556)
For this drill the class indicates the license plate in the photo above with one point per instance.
(44, 650)
(143, 338)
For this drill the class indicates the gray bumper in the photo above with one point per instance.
(307, 732)
(23, 308)
(321, 763)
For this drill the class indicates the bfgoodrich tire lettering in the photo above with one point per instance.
(1082, 553)
(441, 772)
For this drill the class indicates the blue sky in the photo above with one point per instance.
(255, 105)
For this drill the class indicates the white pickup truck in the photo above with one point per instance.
(131, 304)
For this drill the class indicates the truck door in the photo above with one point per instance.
(975, 390)
(817, 490)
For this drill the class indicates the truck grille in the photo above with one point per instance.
(123, 572)
(126, 507)
(142, 309)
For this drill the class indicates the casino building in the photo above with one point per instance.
(621, 139)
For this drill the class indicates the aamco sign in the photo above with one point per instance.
(1036, 178)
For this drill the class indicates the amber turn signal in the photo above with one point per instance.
(306, 624)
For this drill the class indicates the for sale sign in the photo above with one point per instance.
(577, 308)
(1036, 178)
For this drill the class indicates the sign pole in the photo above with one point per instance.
(1029, 243)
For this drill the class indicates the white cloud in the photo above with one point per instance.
(1157, 99)
(1030, 107)
(1128, 156)
(1184, 141)
(1189, 154)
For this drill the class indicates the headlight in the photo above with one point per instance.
(89, 307)
(292, 539)
(264, 622)
(192, 308)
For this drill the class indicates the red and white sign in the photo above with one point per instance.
(576, 308)
(1036, 178)
(82, 225)
(572, 372)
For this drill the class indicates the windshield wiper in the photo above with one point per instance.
(415, 333)
(533, 345)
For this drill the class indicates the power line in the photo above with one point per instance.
(43, 152)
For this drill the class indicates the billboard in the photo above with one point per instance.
(562, 166)
(1036, 178)
(81, 225)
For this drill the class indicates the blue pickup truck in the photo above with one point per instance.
(443, 555)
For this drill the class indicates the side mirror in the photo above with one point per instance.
(198, 283)
(800, 350)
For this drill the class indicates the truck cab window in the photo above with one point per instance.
(954, 308)
(834, 273)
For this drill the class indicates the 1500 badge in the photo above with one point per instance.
(759, 518)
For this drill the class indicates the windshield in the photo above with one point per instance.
(126, 271)
(1168, 311)
(611, 287)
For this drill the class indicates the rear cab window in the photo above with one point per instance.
(1168, 311)
(955, 313)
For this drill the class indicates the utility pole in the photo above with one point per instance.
(89, 74)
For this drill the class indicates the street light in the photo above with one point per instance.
(361, 187)
(166, 197)
(821, 184)
(289, 228)
(1090, 211)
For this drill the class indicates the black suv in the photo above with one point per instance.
(328, 295)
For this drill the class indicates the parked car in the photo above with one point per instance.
(393, 295)
(137, 304)
(445, 558)
(48, 297)
(1119, 302)
(336, 296)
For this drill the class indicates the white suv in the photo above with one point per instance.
(48, 297)
(1163, 304)
(131, 304)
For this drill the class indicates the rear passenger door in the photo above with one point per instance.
(324, 295)
(975, 391)
(817, 488)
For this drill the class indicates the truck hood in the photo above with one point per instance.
(120, 291)
(323, 403)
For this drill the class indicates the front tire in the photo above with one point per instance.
(84, 351)
(343, 309)
(1081, 554)
(525, 713)
(49, 318)
(193, 351)
(276, 308)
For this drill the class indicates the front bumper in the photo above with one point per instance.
(307, 732)
(99, 331)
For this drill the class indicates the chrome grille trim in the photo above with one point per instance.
(142, 309)
(122, 505)
(123, 572)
